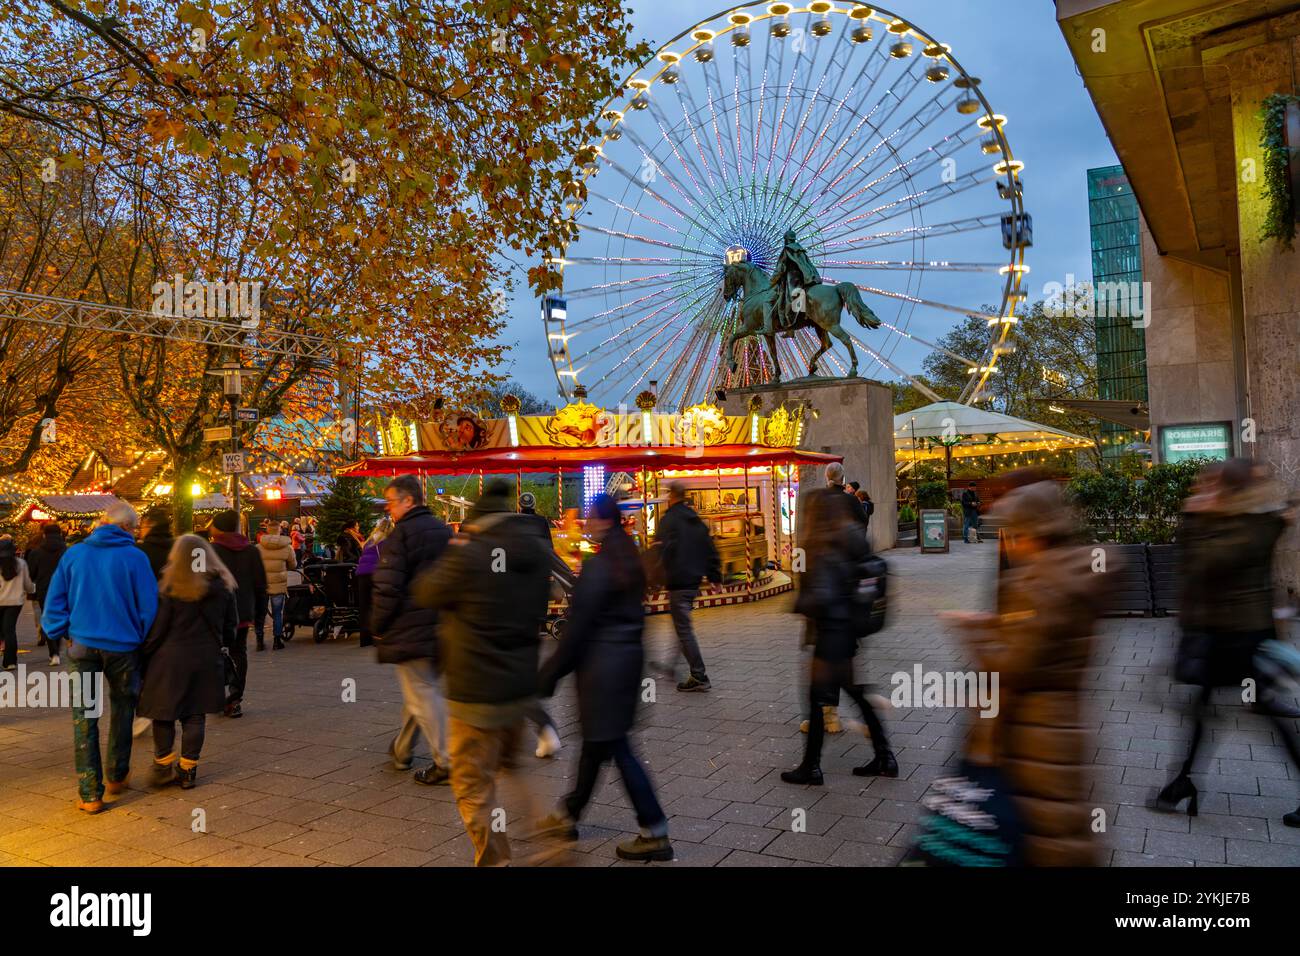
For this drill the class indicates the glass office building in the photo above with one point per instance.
(1117, 281)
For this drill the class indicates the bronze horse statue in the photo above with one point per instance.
(824, 304)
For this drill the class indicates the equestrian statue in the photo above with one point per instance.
(793, 298)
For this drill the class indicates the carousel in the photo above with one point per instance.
(741, 474)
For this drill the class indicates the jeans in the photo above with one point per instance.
(649, 815)
(239, 655)
(680, 603)
(51, 643)
(477, 753)
(970, 522)
(275, 604)
(192, 732)
(122, 678)
(9, 632)
(424, 711)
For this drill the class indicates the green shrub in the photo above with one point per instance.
(1128, 510)
(906, 514)
(932, 494)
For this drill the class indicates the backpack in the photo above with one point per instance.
(870, 596)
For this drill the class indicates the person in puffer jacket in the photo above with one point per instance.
(278, 560)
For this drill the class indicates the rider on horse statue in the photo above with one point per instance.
(794, 270)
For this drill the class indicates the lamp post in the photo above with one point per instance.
(232, 385)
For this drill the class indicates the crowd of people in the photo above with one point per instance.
(458, 613)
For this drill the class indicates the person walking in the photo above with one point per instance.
(364, 575)
(184, 676)
(103, 598)
(278, 560)
(689, 555)
(491, 590)
(970, 512)
(836, 546)
(156, 537)
(1031, 757)
(15, 586)
(42, 561)
(602, 646)
(1230, 528)
(244, 562)
(405, 629)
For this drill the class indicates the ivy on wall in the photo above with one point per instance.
(1279, 219)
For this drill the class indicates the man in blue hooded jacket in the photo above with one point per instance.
(103, 597)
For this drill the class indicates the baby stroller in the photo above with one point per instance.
(337, 586)
(303, 606)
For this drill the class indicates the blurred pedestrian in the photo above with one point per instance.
(15, 586)
(1230, 527)
(244, 562)
(364, 575)
(156, 537)
(868, 506)
(296, 539)
(689, 556)
(184, 676)
(42, 561)
(548, 735)
(602, 645)
(1033, 756)
(970, 511)
(278, 560)
(491, 590)
(103, 597)
(837, 550)
(405, 630)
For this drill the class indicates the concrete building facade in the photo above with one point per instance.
(1179, 85)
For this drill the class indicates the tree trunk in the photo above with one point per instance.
(183, 475)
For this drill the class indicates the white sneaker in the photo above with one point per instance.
(548, 742)
(54, 661)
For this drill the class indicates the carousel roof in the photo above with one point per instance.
(541, 458)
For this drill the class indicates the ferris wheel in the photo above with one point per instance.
(842, 122)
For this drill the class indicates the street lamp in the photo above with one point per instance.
(232, 384)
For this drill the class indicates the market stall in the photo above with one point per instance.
(740, 473)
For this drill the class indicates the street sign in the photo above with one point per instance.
(246, 414)
(933, 534)
(219, 433)
(232, 463)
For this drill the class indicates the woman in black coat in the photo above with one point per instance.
(602, 645)
(184, 673)
(836, 545)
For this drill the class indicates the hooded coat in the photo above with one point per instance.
(103, 593)
(278, 560)
(183, 671)
(490, 589)
(245, 562)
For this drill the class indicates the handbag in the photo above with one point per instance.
(972, 821)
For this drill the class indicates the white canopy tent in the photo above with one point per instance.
(947, 430)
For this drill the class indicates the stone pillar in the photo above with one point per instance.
(1270, 288)
(854, 418)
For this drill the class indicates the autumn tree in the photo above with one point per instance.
(360, 161)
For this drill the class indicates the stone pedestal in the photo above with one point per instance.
(853, 418)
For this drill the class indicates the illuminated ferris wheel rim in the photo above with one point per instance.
(664, 68)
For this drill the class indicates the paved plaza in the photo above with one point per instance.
(303, 780)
